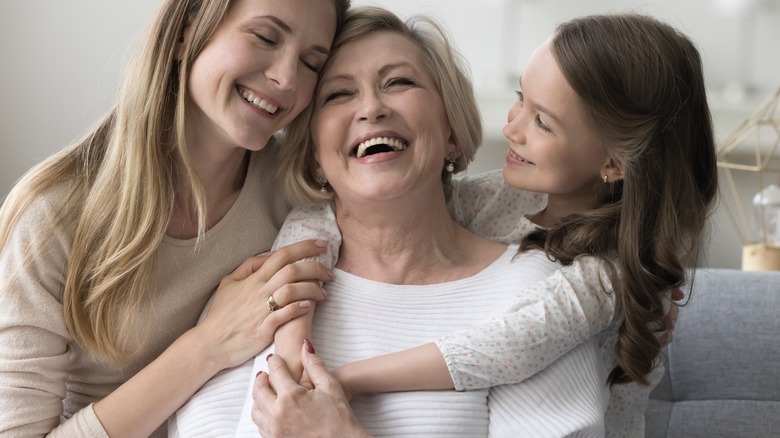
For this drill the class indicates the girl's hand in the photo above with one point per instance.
(239, 322)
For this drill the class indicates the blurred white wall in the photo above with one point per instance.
(61, 61)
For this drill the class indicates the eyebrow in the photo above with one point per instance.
(541, 108)
(287, 29)
(382, 71)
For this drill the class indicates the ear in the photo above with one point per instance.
(453, 147)
(612, 169)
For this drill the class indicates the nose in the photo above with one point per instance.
(514, 130)
(372, 107)
(283, 71)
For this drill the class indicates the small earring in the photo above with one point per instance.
(450, 162)
(604, 178)
(323, 184)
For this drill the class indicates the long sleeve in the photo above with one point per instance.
(315, 222)
(544, 322)
(490, 208)
(34, 356)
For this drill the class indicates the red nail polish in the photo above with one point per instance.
(268, 357)
(309, 346)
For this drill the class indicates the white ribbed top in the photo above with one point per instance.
(363, 318)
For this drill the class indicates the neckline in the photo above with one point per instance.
(252, 169)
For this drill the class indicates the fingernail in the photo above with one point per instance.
(258, 374)
(321, 243)
(305, 304)
(269, 357)
(324, 292)
(309, 346)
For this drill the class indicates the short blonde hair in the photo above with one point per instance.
(447, 68)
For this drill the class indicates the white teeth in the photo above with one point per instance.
(393, 143)
(258, 102)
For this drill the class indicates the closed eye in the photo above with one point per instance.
(399, 81)
(335, 94)
(540, 123)
(264, 39)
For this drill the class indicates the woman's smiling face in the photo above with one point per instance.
(258, 70)
(379, 125)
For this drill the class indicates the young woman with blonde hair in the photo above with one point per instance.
(110, 248)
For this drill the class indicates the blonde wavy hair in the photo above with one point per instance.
(121, 178)
(447, 68)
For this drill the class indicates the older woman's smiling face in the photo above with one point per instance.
(379, 125)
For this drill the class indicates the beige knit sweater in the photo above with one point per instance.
(48, 382)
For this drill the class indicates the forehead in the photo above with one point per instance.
(375, 50)
(544, 84)
(309, 19)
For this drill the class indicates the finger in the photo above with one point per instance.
(314, 367)
(677, 294)
(279, 377)
(248, 267)
(262, 393)
(286, 314)
(290, 293)
(289, 254)
(264, 400)
(296, 273)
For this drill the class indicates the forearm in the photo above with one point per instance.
(144, 403)
(416, 369)
(288, 340)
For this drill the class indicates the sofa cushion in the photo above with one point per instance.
(723, 367)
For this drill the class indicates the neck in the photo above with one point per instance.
(560, 206)
(221, 176)
(406, 244)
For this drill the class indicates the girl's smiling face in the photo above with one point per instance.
(553, 146)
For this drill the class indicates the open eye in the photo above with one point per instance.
(519, 94)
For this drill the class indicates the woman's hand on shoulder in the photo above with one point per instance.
(240, 322)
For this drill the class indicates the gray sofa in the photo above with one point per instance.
(723, 367)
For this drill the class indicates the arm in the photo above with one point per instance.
(544, 322)
(490, 208)
(283, 408)
(236, 326)
(35, 347)
(317, 222)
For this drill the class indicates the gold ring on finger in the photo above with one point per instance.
(272, 305)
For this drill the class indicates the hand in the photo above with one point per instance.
(670, 319)
(239, 323)
(283, 408)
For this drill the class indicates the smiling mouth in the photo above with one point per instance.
(518, 157)
(378, 145)
(258, 102)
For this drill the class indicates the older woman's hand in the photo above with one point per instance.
(284, 408)
(240, 323)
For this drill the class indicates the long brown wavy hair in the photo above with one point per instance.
(643, 85)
